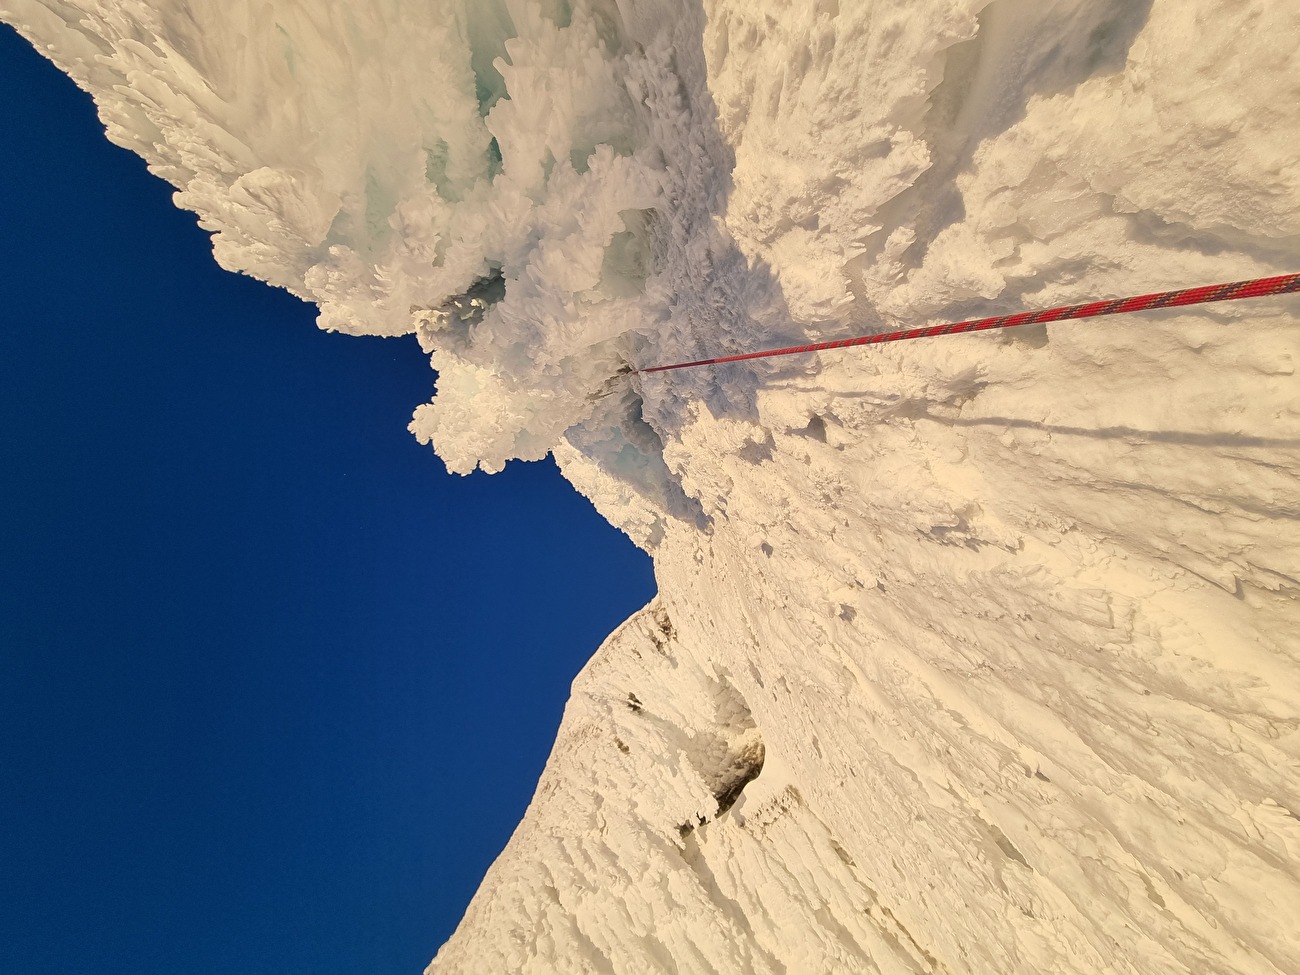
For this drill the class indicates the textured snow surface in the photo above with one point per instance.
(980, 654)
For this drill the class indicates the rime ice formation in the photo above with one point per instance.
(973, 655)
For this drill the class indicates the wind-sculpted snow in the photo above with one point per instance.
(481, 173)
(971, 655)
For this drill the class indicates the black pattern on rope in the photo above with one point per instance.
(1254, 288)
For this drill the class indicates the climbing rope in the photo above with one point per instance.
(1256, 288)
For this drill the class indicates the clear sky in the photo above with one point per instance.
(274, 687)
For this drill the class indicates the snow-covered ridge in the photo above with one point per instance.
(975, 655)
(482, 173)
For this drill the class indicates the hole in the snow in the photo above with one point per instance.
(745, 768)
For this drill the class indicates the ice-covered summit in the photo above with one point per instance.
(976, 655)
(493, 176)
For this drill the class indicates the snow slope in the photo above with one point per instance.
(977, 654)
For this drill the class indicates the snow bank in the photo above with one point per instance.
(972, 655)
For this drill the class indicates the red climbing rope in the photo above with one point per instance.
(1257, 288)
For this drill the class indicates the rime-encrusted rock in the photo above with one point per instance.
(975, 655)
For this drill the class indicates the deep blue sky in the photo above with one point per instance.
(274, 687)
